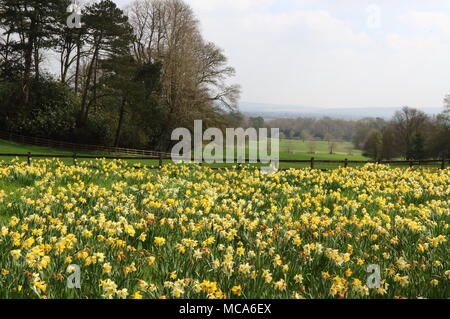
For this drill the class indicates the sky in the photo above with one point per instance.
(333, 53)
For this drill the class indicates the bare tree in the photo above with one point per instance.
(331, 143)
(407, 123)
(194, 72)
(290, 143)
(305, 135)
(311, 145)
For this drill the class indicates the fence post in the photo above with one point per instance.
(29, 158)
(312, 162)
(346, 162)
(160, 160)
(411, 164)
(443, 164)
(75, 159)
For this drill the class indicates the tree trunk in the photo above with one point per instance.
(94, 87)
(36, 60)
(77, 70)
(27, 71)
(65, 60)
(84, 107)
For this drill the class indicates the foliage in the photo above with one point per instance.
(50, 111)
(120, 95)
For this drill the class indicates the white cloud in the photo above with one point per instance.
(322, 53)
(436, 22)
(314, 27)
(230, 5)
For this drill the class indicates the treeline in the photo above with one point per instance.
(410, 134)
(307, 128)
(123, 78)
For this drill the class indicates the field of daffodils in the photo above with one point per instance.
(186, 231)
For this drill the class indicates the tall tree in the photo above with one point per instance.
(407, 123)
(134, 86)
(418, 147)
(107, 33)
(388, 145)
(29, 27)
(193, 70)
(373, 145)
(69, 43)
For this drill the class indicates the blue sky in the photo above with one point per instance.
(333, 53)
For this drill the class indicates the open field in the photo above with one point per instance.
(297, 149)
(297, 153)
(8, 147)
(11, 147)
(321, 147)
(191, 232)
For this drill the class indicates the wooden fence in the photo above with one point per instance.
(161, 157)
(74, 147)
(136, 154)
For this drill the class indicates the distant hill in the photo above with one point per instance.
(271, 111)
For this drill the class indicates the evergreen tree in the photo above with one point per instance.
(108, 34)
(29, 26)
(418, 147)
(135, 87)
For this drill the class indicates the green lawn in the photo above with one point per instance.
(297, 149)
(296, 146)
(297, 153)
(16, 148)
(10, 147)
(7, 147)
(289, 150)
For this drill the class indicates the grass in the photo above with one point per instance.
(295, 146)
(289, 150)
(11, 147)
(7, 147)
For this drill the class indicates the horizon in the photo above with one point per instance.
(342, 106)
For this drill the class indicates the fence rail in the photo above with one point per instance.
(74, 147)
(137, 154)
(312, 162)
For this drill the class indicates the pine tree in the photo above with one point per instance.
(30, 27)
(68, 44)
(108, 34)
(136, 86)
(418, 147)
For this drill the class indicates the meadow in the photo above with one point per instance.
(186, 231)
(288, 150)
